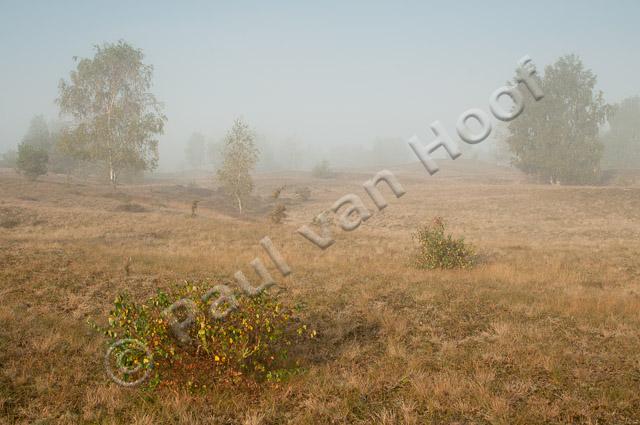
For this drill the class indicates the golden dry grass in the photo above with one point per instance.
(544, 330)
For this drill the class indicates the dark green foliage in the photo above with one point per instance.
(41, 137)
(32, 160)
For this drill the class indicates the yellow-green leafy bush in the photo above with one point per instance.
(439, 250)
(251, 342)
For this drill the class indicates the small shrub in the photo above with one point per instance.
(322, 170)
(437, 250)
(278, 214)
(131, 207)
(277, 192)
(127, 266)
(328, 218)
(11, 217)
(194, 207)
(252, 342)
(9, 223)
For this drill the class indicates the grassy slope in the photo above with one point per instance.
(545, 331)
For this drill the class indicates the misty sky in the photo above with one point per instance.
(330, 72)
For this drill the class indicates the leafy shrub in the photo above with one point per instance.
(322, 170)
(252, 341)
(437, 250)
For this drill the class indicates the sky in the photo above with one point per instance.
(330, 73)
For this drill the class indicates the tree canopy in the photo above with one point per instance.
(115, 117)
(240, 156)
(33, 151)
(556, 139)
(32, 160)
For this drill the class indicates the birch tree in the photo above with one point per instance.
(115, 117)
(239, 158)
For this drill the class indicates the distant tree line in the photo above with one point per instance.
(111, 120)
(203, 153)
(622, 141)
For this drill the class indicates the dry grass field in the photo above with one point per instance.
(546, 329)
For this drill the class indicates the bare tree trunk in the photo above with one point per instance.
(112, 172)
(239, 204)
(112, 176)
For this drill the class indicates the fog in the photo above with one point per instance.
(319, 212)
(323, 80)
